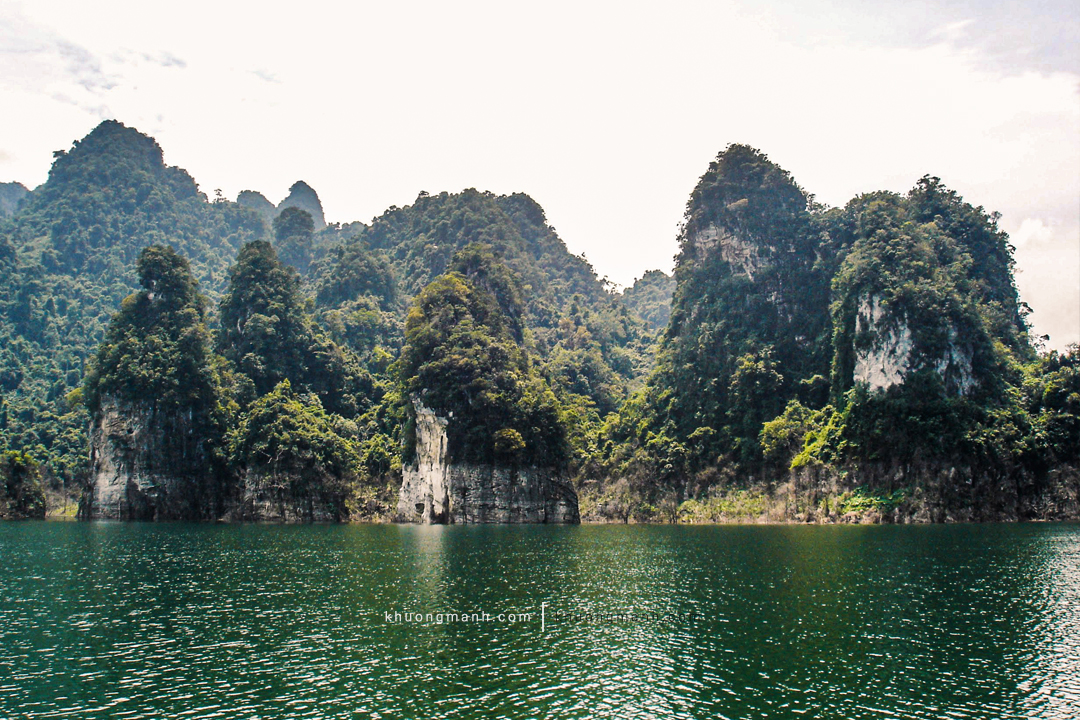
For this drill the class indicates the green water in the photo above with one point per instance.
(173, 620)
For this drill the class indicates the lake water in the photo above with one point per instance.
(152, 620)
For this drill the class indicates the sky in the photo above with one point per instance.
(606, 113)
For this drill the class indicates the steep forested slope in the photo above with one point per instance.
(67, 259)
(877, 349)
(333, 328)
(593, 346)
(650, 298)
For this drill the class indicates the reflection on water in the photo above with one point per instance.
(146, 620)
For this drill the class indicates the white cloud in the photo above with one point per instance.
(1033, 233)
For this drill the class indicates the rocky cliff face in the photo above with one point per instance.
(143, 464)
(740, 253)
(435, 490)
(261, 501)
(425, 495)
(888, 352)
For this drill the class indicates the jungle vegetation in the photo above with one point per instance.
(300, 347)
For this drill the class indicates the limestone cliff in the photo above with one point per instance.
(436, 490)
(740, 252)
(886, 351)
(144, 464)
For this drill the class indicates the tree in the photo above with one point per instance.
(263, 328)
(268, 335)
(157, 347)
(292, 455)
(21, 491)
(294, 230)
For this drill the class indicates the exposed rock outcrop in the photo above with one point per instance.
(425, 494)
(260, 500)
(435, 490)
(887, 352)
(739, 252)
(886, 358)
(143, 464)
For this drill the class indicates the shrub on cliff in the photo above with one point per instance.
(22, 493)
(291, 454)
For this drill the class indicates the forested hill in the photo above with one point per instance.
(650, 298)
(67, 259)
(11, 194)
(68, 254)
(870, 359)
(594, 345)
(803, 362)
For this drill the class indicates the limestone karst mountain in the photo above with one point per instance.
(303, 196)
(876, 349)
(812, 363)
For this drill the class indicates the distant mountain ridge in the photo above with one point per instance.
(11, 194)
(301, 195)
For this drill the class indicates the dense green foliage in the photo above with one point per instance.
(67, 260)
(650, 298)
(11, 196)
(358, 302)
(597, 348)
(157, 347)
(294, 232)
(783, 312)
(269, 336)
(464, 359)
(22, 493)
(293, 350)
(291, 453)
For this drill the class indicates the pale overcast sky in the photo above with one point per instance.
(605, 113)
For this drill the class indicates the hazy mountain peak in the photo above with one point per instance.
(11, 194)
(303, 196)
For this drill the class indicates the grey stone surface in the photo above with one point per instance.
(434, 490)
(143, 464)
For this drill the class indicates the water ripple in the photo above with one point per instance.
(151, 620)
